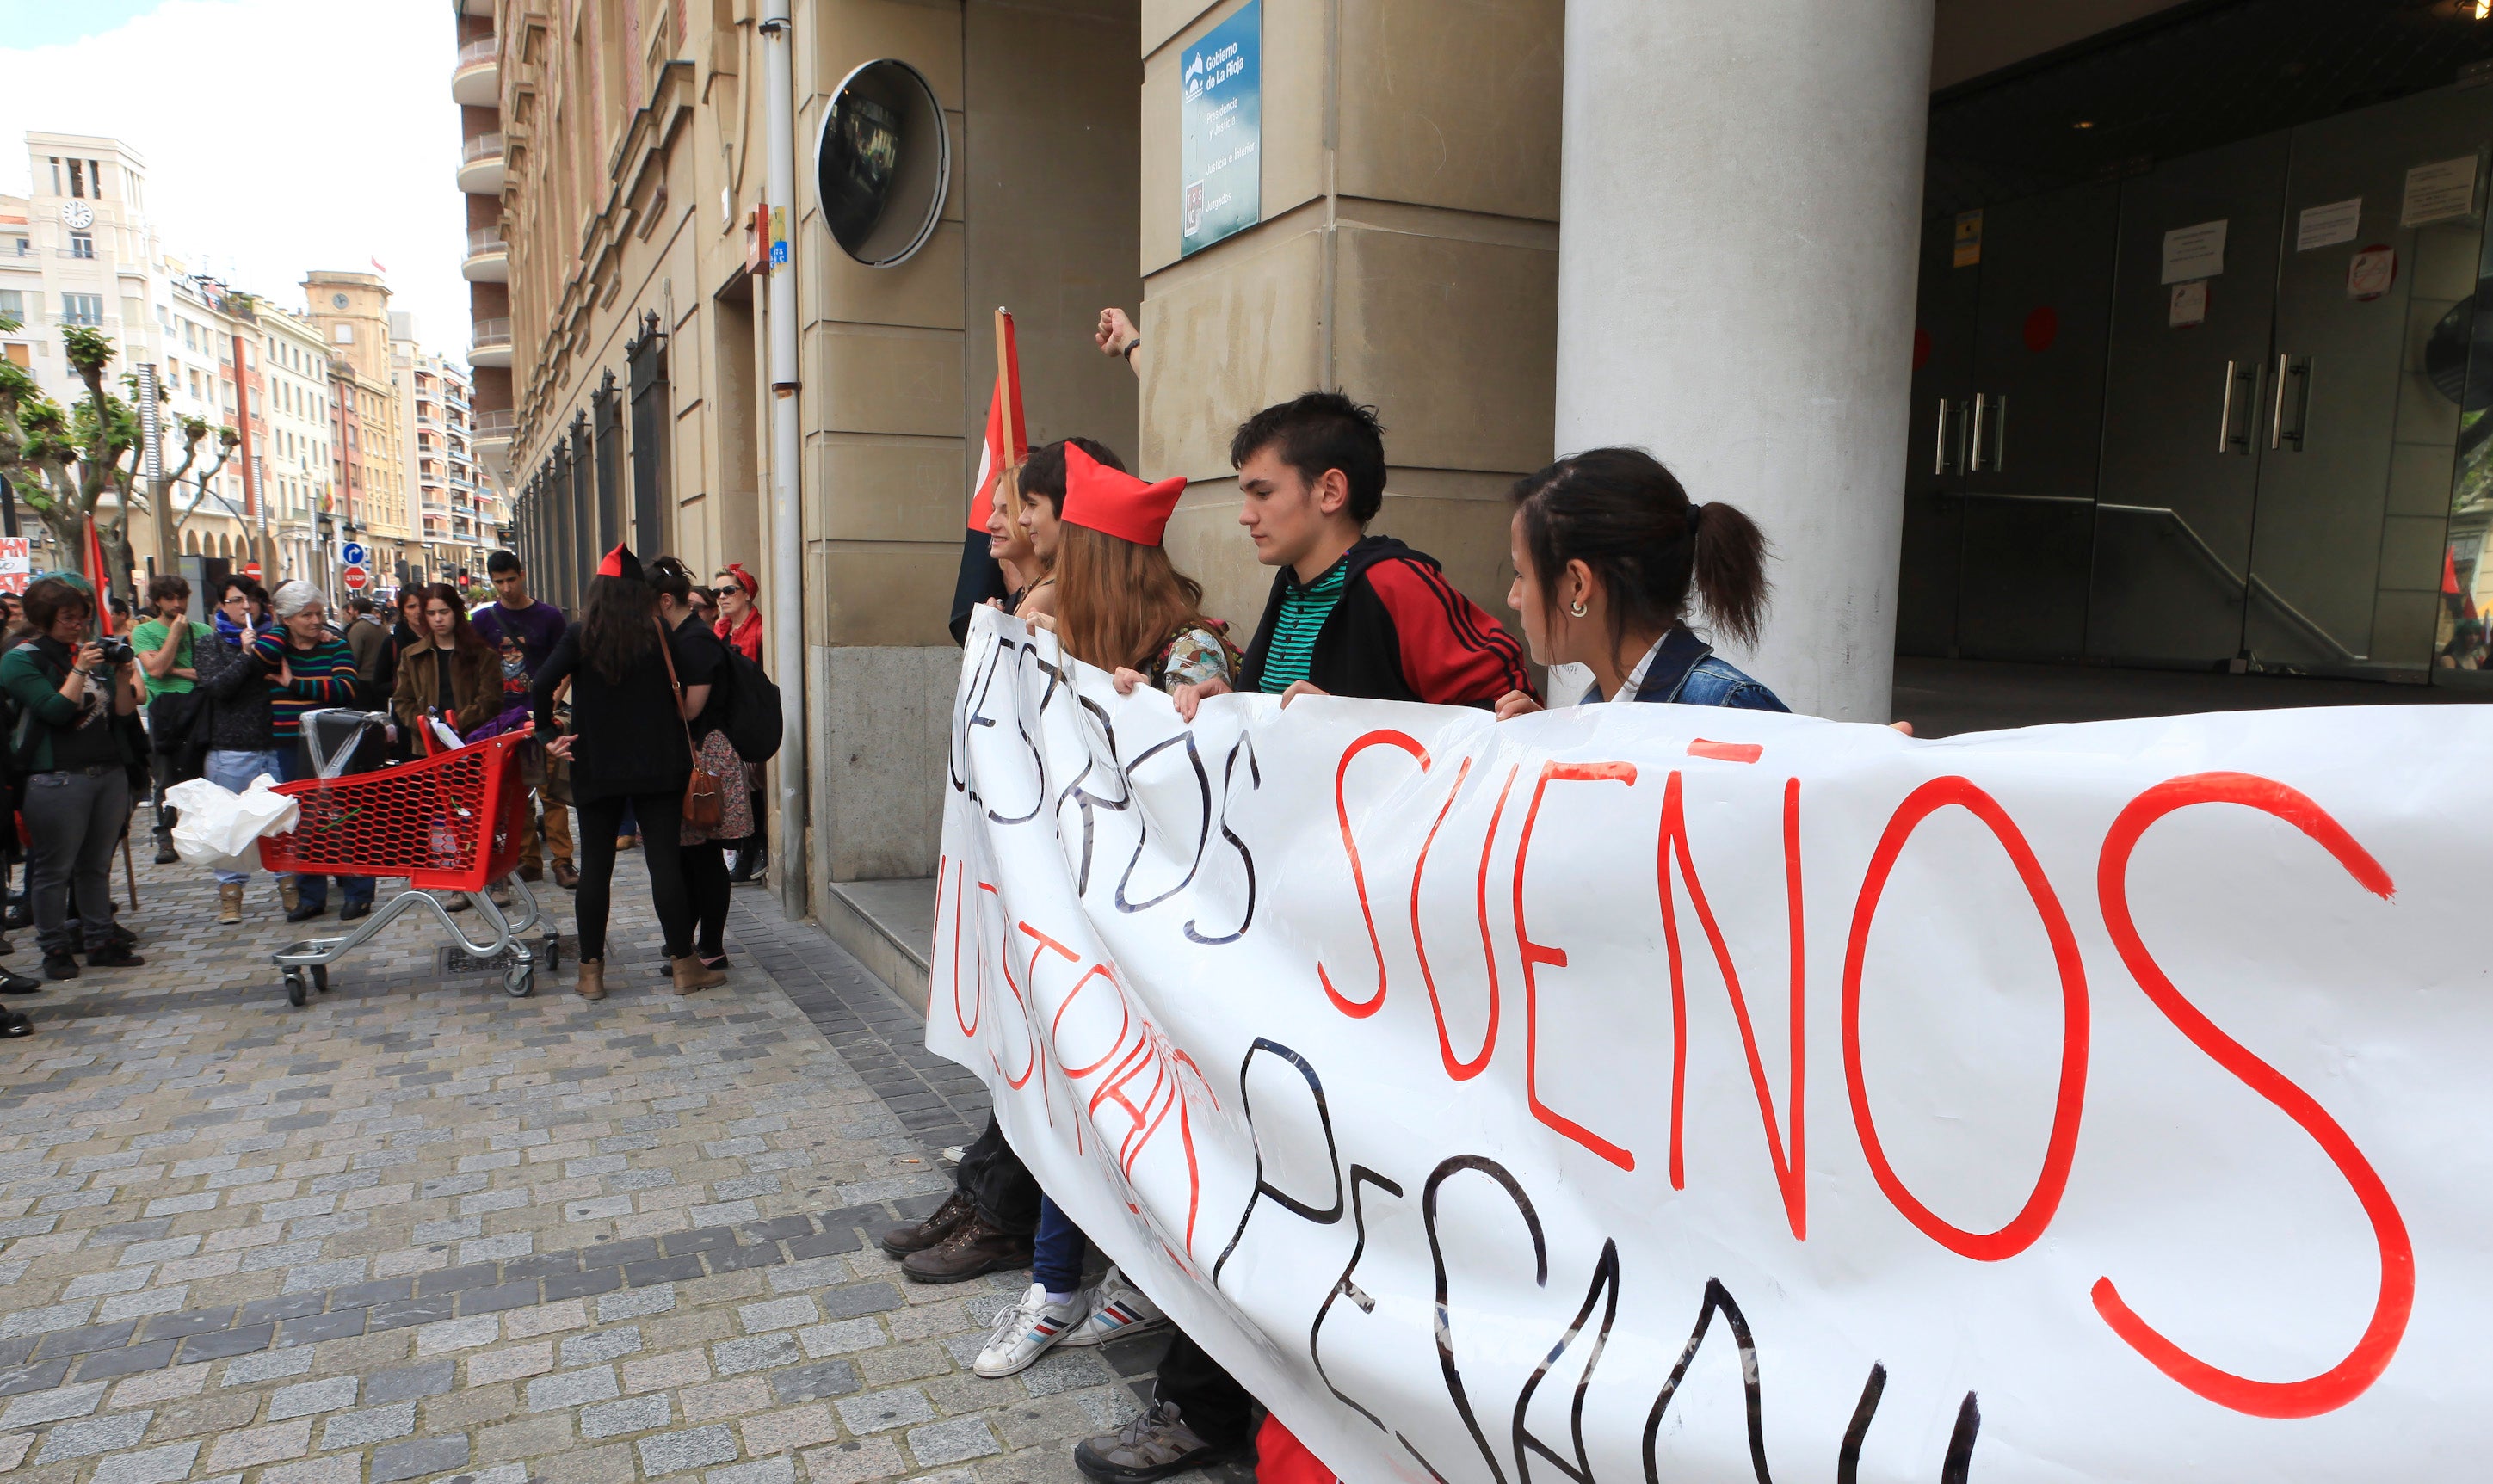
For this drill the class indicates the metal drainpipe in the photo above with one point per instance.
(787, 516)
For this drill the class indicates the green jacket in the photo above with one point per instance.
(32, 677)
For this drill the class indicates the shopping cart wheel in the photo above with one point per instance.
(520, 980)
(554, 953)
(294, 995)
(321, 977)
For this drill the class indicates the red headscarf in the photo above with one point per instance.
(746, 636)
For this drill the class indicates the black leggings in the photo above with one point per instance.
(661, 818)
(706, 877)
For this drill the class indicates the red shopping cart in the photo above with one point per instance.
(453, 821)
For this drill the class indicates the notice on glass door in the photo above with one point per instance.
(2438, 192)
(2326, 226)
(2195, 252)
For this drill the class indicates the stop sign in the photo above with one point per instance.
(251, 570)
(355, 578)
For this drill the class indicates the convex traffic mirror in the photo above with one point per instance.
(883, 162)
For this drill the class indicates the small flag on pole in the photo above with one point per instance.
(94, 576)
(1008, 440)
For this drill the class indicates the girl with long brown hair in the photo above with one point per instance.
(1122, 605)
(449, 669)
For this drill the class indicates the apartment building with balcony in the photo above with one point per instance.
(484, 157)
(453, 529)
(79, 250)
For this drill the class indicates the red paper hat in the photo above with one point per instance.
(620, 563)
(1116, 503)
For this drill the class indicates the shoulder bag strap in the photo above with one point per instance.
(667, 651)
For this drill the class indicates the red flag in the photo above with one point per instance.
(95, 574)
(1008, 440)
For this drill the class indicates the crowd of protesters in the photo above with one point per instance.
(101, 715)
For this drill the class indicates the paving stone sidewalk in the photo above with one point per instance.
(420, 1230)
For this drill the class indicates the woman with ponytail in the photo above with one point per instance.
(1608, 554)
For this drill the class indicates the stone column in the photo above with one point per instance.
(1740, 190)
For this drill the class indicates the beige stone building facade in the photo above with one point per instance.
(1517, 226)
(372, 455)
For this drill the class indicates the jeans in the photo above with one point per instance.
(74, 819)
(234, 771)
(314, 889)
(1057, 1263)
(661, 823)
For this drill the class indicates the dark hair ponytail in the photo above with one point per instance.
(1624, 516)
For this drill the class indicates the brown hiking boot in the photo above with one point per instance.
(566, 876)
(690, 973)
(229, 902)
(974, 1250)
(942, 1222)
(1153, 1446)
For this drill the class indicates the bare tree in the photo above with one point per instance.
(62, 462)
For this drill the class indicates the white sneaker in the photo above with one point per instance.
(1027, 1331)
(1116, 1308)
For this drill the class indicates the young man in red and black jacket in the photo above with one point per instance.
(1351, 615)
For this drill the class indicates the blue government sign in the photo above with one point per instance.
(352, 555)
(1221, 161)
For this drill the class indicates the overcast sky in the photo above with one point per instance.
(279, 136)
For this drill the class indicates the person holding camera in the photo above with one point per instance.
(71, 693)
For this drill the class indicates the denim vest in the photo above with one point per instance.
(1684, 671)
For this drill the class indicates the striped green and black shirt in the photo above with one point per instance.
(324, 675)
(1303, 616)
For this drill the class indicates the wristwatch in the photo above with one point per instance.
(1131, 346)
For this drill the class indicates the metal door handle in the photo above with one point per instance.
(1981, 409)
(2298, 372)
(1939, 454)
(2225, 439)
(1999, 435)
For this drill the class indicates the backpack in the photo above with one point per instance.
(754, 722)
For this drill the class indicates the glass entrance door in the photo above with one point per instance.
(2384, 210)
(2190, 334)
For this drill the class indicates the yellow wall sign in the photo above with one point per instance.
(1969, 239)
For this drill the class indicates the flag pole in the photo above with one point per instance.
(1009, 385)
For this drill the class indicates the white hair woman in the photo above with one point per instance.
(308, 667)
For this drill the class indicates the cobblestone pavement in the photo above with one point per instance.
(421, 1230)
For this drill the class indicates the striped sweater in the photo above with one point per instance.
(324, 675)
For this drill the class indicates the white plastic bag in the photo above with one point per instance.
(219, 827)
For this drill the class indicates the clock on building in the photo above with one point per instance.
(77, 214)
(338, 301)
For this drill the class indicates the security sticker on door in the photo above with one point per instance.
(2193, 251)
(2439, 191)
(2370, 273)
(2189, 305)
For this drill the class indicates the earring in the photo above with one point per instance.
(1577, 608)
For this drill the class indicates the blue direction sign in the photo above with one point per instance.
(352, 555)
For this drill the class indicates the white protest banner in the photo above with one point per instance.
(1646, 1092)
